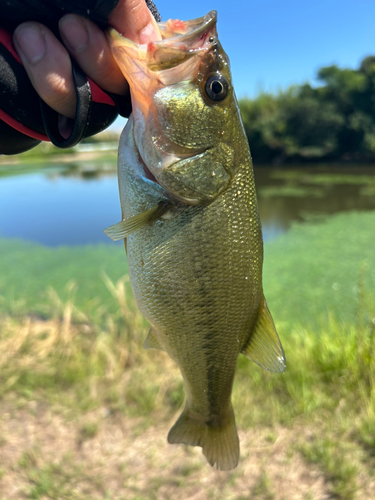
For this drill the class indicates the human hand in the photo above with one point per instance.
(47, 60)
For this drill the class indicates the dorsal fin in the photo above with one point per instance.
(152, 341)
(264, 346)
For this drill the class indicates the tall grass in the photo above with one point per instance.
(330, 369)
(327, 389)
(81, 356)
(93, 362)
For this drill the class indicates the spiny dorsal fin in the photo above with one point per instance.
(152, 341)
(122, 229)
(264, 346)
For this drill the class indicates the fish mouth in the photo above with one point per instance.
(186, 31)
(178, 41)
(181, 40)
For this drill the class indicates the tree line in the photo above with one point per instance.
(334, 121)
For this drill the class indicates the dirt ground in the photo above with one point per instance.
(45, 454)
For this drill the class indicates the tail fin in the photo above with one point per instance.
(219, 442)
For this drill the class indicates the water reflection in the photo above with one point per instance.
(55, 209)
(88, 170)
(286, 196)
(72, 204)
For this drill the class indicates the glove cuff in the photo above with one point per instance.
(95, 111)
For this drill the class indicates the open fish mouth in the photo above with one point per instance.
(180, 41)
(192, 28)
(173, 59)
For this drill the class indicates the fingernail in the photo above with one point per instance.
(74, 32)
(30, 41)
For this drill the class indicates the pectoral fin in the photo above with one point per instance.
(152, 341)
(264, 346)
(122, 229)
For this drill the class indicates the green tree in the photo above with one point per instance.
(335, 121)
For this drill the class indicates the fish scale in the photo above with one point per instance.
(193, 238)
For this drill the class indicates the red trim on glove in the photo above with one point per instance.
(98, 95)
(7, 40)
(22, 128)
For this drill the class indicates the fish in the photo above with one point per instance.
(191, 225)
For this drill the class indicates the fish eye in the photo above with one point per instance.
(216, 87)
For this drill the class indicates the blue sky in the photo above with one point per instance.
(273, 44)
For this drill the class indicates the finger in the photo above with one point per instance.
(88, 45)
(48, 66)
(133, 19)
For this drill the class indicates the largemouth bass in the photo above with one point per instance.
(191, 225)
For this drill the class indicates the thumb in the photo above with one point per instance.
(133, 19)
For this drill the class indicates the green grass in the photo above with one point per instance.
(57, 165)
(335, 457)
(368, 190)
(30, 271)
(291, 191)
(311, 272)
(53, 481)
(46, 153)
(71, 338)
(323, 178)
(71, 350)
(263, 487)
(317, 269)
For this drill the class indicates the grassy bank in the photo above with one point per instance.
(101, 147)
(314, 270)
(319, 268)
(84, 411)
(31, 272)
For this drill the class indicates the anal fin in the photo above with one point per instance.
(152, 341)
(264, 346)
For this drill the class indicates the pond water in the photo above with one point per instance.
(59, 206)
(71, 204)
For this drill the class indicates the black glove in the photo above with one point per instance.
(25, 119)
